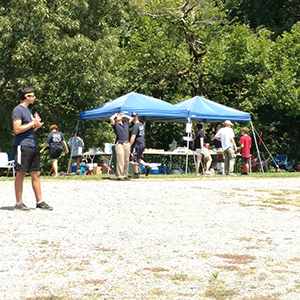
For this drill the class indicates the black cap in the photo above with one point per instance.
(134, 114)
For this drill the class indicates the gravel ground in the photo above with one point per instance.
(146, 239)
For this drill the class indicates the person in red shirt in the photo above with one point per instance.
(245, 146)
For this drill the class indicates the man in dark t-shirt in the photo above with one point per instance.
(137, 143)
(122, 144)
(26, 156)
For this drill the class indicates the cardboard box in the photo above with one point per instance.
(97, 171)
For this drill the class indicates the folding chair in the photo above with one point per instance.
(282, 163)
(5, 163)
(253, 163)
(289, 165)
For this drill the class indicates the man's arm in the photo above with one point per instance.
(128, 118)
(112, 119)
(201, 143)
(19, 128)
(234, 144)
(66, 146)
(132, 139)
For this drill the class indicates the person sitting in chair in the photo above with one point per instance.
(201, 150)
(265, 162)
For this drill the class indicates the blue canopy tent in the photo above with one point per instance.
(149, 108)
(201, 109)
(205, 110)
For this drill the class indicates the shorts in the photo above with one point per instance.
(246, 161)
(55, 153)
(136, 155)
(27, 159)
(205, 150)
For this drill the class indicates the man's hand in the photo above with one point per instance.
(38, 125)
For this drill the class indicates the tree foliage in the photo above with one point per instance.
(48, 45)
(277, 16)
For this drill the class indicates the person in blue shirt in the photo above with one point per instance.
(76, 144)
(26, 155)
(55, 140)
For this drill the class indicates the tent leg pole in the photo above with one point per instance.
(272, 158)
(187, 155)
(258, 153)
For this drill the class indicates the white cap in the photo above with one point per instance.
(227, 122)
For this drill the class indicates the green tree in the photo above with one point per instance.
(238, 63)
(63, 49)
(275, 15)
(278, 114)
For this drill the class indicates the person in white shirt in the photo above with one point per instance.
(226, 136)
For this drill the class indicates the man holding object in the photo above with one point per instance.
(26, 155)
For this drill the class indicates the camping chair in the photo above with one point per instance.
(5, 163)
(282, 163)
(289, 165)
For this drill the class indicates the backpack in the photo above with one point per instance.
(192, 145)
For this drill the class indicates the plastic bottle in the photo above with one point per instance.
(37, 116)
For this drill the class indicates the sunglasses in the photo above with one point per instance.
(29, 95)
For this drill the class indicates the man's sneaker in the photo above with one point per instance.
(136, 176)
(21, 206)
(148, 168)
(43, 205)
(208, 174)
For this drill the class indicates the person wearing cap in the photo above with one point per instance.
(122, 148)
(55, 140)
(137, 143)
(26, 155)
(226, 136)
